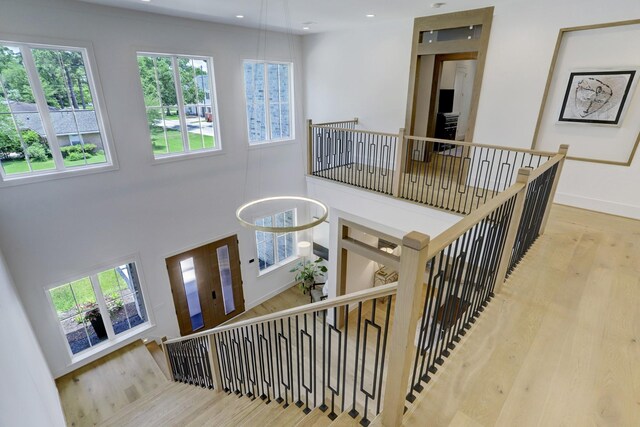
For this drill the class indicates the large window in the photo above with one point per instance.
(99, 307)
(268, 87)
(275, 248)
(179, 95)
(49, 116)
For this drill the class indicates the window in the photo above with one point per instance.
(275, 248)
(179, 96)
(49, 116)
(99, 307)
(268, 88)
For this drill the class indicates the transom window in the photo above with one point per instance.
(275, 249)
(97, 308)
(50, 120)
(268, 87)
(179, 95)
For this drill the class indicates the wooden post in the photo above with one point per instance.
(309, 147)
(166, 358)
(398, 166)
(516, 216)
(355, 119)
(215, 365)
(564, 148)
(413, 261)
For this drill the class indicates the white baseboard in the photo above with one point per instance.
(250, 305)
(605, 206)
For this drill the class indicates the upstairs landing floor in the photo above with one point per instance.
(560, 345)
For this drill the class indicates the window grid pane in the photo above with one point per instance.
(159, 87)
(23, 143)
(80, 316)
(274, 248)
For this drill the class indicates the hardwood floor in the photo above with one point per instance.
(97, 391)
(560, 345)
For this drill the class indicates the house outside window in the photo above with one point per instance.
(268, 96)
(99, 308)
(275, 249)
(50, 118)
(180, 100)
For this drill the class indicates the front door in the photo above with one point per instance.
(206, 285)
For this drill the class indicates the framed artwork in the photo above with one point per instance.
(597, 97)
(591, 100)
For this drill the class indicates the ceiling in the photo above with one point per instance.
(317, 15)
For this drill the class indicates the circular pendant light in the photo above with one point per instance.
(284, 229)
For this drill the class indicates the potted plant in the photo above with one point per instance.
(306, 273)
(93, 316)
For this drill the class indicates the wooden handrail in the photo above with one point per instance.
(546, 166)
(477, 145)
(445, 238)
(338, 122)
(368, 132)
(366, 294)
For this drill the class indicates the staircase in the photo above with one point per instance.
(365, 357)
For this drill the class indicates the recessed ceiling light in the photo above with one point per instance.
(305, 28)
(146, 1)
(237, 16)
(370, 15)
(437, 5)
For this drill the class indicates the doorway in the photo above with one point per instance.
(206, 284)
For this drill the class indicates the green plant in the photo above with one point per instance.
(87, 149)
(90, 311)
(37, 153)
(306, 272)
(72, 157)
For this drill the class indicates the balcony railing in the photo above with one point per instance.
(370, 352)
(451, 175)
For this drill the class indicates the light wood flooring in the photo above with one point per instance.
(560, 345)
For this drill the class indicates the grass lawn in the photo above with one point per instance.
(63, 298)
(20, 166)
(174, 138)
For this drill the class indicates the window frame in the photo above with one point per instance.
(279, 263)
(113, 340)
(292, 126)
(187, 153)
(26, 43)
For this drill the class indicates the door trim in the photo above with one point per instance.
(482, 17)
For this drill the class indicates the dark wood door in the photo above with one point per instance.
(206, 285)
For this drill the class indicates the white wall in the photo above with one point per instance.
(360, 270)
(54, 230)
(28, 395)
(341, 81)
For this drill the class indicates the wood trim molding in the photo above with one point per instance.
(547, 87)
(482, 17)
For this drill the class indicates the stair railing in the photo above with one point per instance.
(371, 351)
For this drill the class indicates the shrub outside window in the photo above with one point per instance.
(275, 249)
(99, 307)
(50, 121)
(179, 96)
(268, 95)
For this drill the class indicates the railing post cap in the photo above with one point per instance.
(563, 148)
(416, 240)
(523, 174)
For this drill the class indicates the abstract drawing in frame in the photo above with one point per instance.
(597, 97)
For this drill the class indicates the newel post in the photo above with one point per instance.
(413, 262)
(564, 148)
(514, 225)
(165, 350)
(398, 166)
(216, 376)
(309, 147)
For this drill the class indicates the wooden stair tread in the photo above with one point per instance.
(345, 419)
(316, 418)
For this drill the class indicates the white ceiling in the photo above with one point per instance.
(322, 15)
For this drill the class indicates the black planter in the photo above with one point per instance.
(98, 327)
